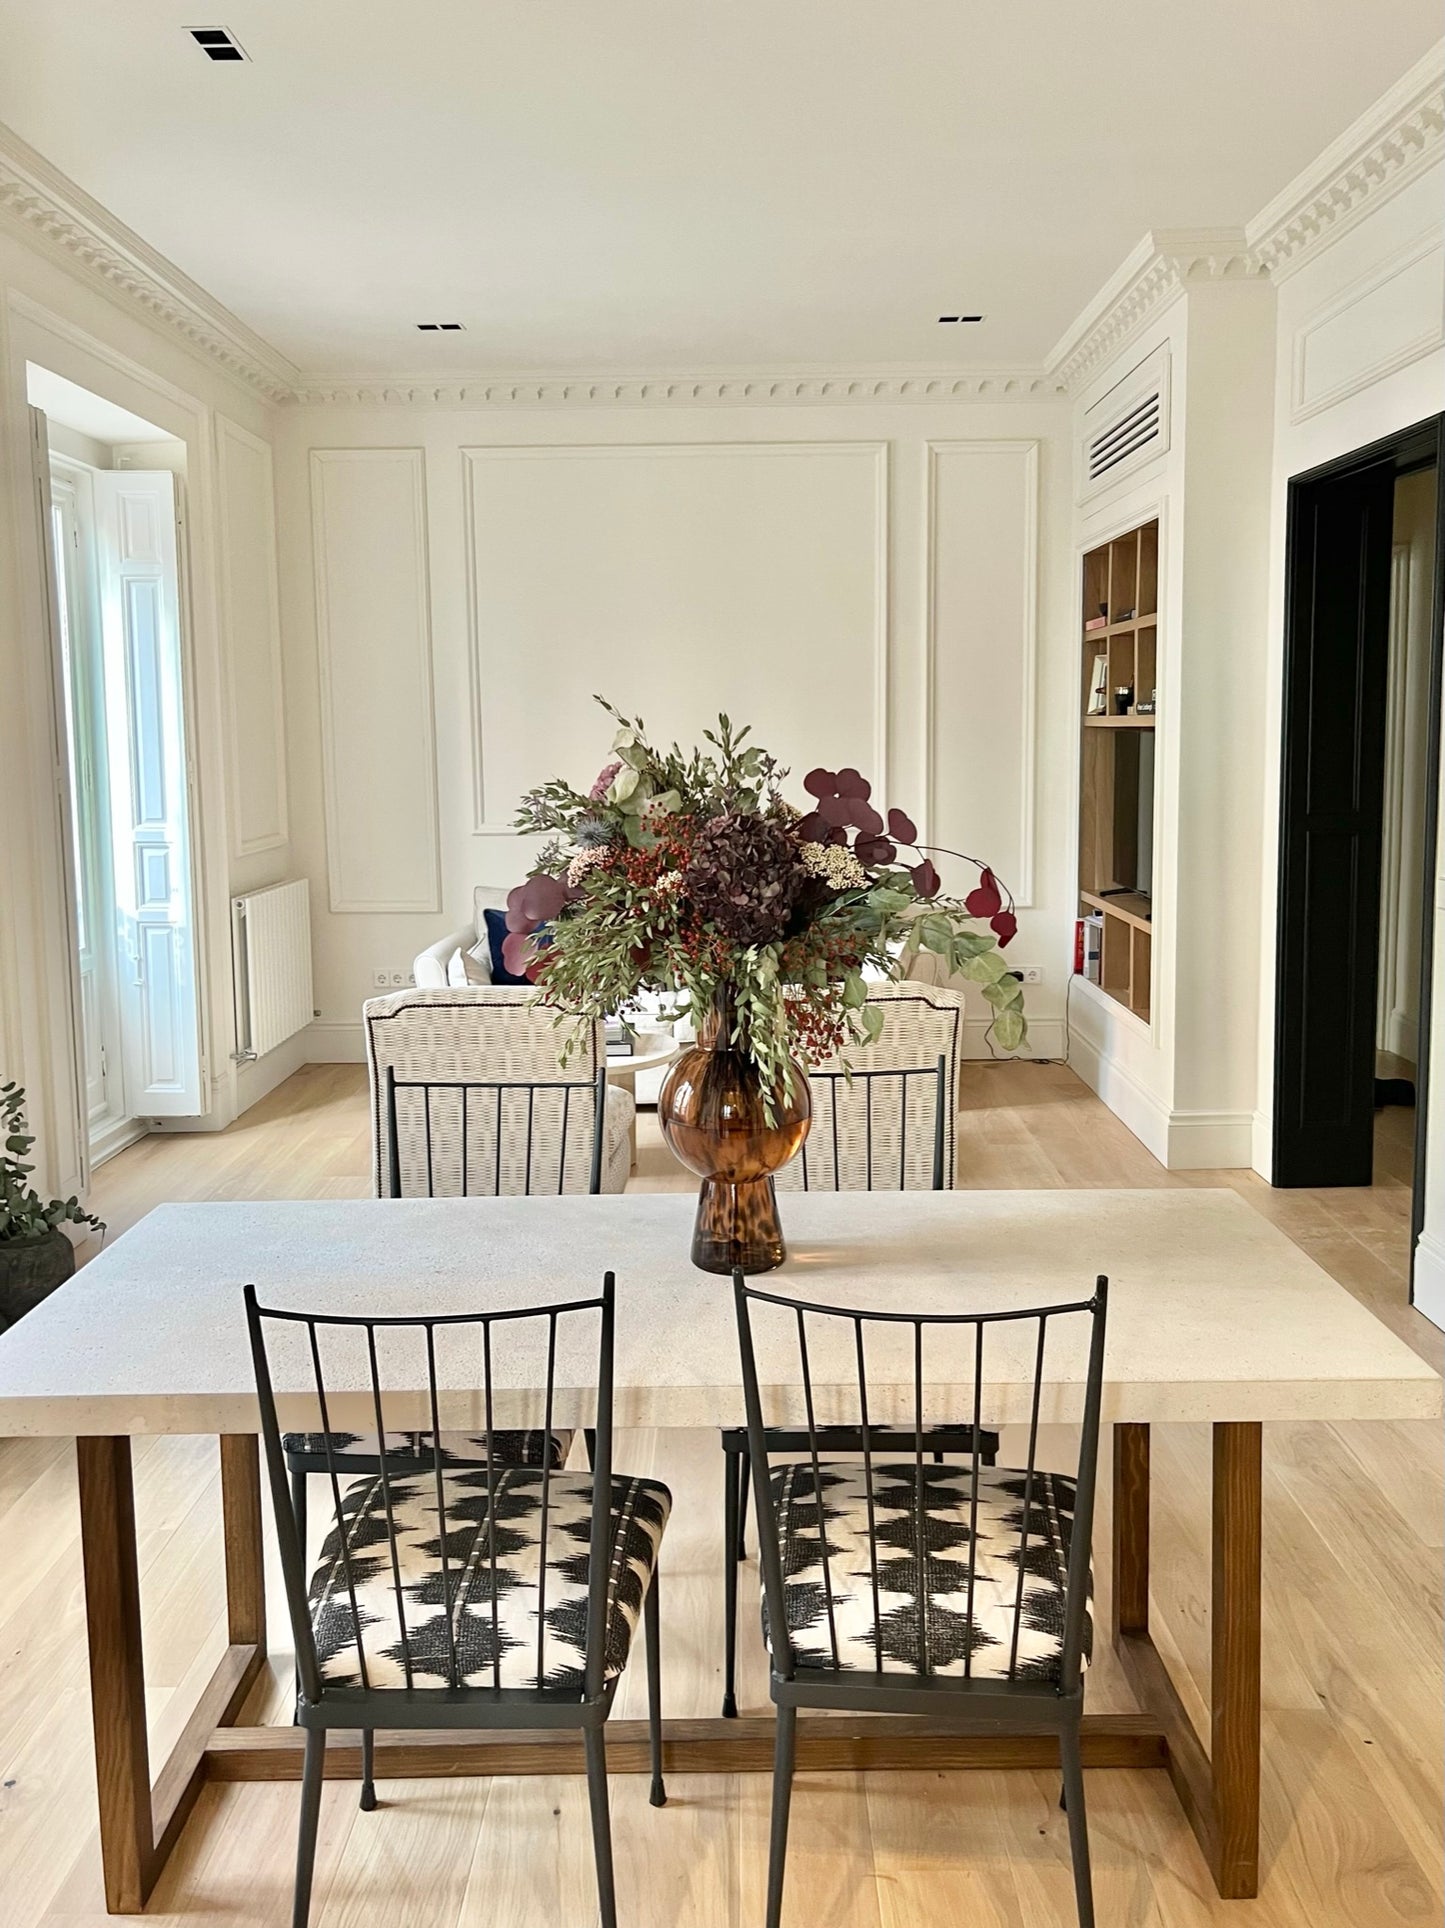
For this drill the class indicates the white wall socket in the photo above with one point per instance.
(1031, 974)
(392, 980)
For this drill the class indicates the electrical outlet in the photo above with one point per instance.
(398, 980)
(1031, 974)
(381, 980)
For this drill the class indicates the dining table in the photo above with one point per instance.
(1214, 1316)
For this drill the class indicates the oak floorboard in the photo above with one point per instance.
(1351, 1832)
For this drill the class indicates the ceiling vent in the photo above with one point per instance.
(952, 318)
(441, 327)
(216, 43)
(1128, 427)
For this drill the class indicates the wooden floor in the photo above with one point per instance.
(1352, 1781)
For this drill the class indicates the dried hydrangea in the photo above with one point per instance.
(744, 877)
(838, 867)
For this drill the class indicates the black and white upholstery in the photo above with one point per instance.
(484, 1103)
(941, 1549)
(894, 1585)
(450, 1594)
(518, 1588)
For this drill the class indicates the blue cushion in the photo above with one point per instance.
(496, 936)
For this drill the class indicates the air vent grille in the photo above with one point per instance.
(1125, 437)
(441, 327)
(216, 43)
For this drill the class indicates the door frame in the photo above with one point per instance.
(1420, 445)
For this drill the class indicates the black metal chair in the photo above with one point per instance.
(454, 1597)
(437, 1141)
(899, 1586)
(850, 1143)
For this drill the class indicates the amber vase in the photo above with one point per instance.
(713, 1115)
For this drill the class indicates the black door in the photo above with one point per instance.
(1336, 658)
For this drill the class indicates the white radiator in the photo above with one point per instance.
(271, 962)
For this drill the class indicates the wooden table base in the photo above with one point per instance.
(1218, 1784)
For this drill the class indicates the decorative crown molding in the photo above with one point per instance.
(1163, 263)
(1391, 143)
(43, 202)
(829, 387)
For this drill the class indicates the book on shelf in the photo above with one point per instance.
(1096, 622)
(1093, 945)
(1099, 686)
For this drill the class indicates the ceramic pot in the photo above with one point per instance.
(30, 1270)
(713, 1117)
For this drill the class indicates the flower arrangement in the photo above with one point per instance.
(694, 873)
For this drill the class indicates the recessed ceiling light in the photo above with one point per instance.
(216, 43)
(950, 318)
(441, 327)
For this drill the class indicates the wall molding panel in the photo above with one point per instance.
(1381, 323)
(373, 634)
(250, 619)
(609, 566)
(981, 643)
(748, 387)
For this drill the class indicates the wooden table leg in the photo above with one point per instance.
(117, 1676)
(1131, 1530)
(1234, 1674)
(1218, 1784)
(139, 1825)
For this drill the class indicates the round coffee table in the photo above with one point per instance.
(651, 1052)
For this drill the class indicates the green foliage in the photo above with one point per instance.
(23, 1214)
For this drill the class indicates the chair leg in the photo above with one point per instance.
(730, 1585)
(601, 1824)
(589, 1441)
(306, 1834)
(651, 1619)
(298, 1511)
(368, 1776)
(783, 1754)
(745, 1480)
(1078, 1825)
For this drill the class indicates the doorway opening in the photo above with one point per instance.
(1359, 961)
(110, 490)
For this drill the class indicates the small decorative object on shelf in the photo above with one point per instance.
(1147, 709)
(1126, 615)
(1099, 686)
(1123, 699)
(1096, 622)
(691, 873)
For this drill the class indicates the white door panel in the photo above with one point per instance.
(150, 828)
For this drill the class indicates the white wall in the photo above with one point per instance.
(883, 585)
(59, 318)
(1360, 354)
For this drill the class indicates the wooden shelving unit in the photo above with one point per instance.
(1116, 799)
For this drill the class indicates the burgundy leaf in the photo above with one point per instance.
(986, 899)
(820, 783)
(813, 828)
(867, 818)
(874, 850)
(837, 835)
(836, 810)
(1005, 927)
(517, 918)
(518, 952)
(926, 880)
(852, 783)
(902, 827)
(543, 897)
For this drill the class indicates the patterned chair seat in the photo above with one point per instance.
(906, 1617)
(511, 1448)
(639, 1513)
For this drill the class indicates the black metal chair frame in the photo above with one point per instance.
(831, 1439)
(321, 1707)
(970, 1704)
(302, 1466)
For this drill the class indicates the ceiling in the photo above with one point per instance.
(76, 408)
(656, 185)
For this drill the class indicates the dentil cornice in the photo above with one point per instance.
(1385, 149)
(45, 204)
(831, 388)
(1163, 263)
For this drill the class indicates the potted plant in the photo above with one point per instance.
(692, 872)
(35, 1255)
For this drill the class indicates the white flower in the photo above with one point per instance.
(669, 880)
(838, 867)
(582, 861)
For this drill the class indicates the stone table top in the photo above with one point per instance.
(1214, 1313)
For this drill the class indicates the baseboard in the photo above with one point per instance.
(1210, 1141)
(260, 1076)
(1429, 1279)
(1130, 1103)
(334, 1044)
(1046, 1040)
